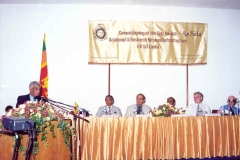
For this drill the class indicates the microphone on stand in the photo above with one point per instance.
(44, 98)
(238, 107)
(65, 107)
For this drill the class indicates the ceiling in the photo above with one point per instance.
(217, 4)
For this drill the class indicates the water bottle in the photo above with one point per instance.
(238, 109)
(109, 111)
(104, 111)
(84, 112)
(135, 111)
(199, 111)
(222, 111)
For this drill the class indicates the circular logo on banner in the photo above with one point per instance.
(100, 32)
(185, 33)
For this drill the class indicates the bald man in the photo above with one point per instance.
(231, 107)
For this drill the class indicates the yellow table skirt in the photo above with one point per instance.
(132, 138)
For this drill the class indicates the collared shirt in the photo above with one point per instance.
(113, 110)
(193, 108)
(109, 109)
(33, 99)
(226, 107)
(132, 110)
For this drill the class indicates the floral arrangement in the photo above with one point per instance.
(166, 110)
(43, 114)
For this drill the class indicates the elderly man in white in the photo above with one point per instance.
(198, 108)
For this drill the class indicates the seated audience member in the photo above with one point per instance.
(198, 108)
(171, 101)
(139, 108)
(8, 111)
(231, 107)
(34, 89)
(109, 108)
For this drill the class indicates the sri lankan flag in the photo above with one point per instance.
(44, 70)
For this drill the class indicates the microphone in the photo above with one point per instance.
(65, 105)
(237, 100)
(45, 99)
(42, 97)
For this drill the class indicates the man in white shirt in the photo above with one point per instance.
(109, 108)
(198, 108)
(139, 108)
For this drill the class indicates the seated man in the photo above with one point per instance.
(198, 108)
(108, 109)
(171, 101)
(230, 108)
(139, 108)
(34, 89)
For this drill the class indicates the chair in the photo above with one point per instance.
(215, 111)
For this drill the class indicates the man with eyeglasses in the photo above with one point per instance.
(198, 108)
(231, 108)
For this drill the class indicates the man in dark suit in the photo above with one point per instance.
(34, 89)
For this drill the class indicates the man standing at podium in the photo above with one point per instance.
(109, 108)
(34, 89)
(139, 108)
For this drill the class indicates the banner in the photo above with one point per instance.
(130, 42)
(44, 70)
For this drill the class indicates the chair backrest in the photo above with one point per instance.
(215, 111)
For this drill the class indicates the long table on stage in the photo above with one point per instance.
(160, 137)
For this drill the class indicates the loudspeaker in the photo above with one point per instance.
(17, 123)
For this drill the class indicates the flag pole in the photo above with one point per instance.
(109, 78)
(187, 85)
(44, 70)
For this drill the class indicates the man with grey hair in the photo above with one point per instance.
(198, 108)
(139, 108)
(34, 89)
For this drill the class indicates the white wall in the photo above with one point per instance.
(72, 79)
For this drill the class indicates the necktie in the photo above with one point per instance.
(109, 110)
(34, 99)
(139, 109)
(198, 111)
(231, 110)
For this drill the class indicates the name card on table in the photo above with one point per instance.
(114, 115)
(213, 114)
(143, 115)
(179, 115)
